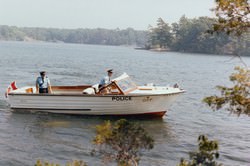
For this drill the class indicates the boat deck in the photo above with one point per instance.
(56, 89)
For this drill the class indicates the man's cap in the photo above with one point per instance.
(42, 72)
(110, 70)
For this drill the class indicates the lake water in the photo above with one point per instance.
(26, 137)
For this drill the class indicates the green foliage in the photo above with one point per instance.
(104, 132)
(233, 16)
(160, 36)
(191, 36)
(11, 33)
(76, 163)
(242, 46)
(73, 163)
(41, 163)
(236, 98)
(122, 141)
(206, 154)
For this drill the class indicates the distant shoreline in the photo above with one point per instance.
(120, 37)
(131, 46)
(154, 49)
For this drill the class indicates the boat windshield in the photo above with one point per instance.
(125, 84)
(121, 85)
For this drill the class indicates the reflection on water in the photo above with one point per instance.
(42, 135)
(26, 137)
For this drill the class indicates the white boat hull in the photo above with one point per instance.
(94, 105)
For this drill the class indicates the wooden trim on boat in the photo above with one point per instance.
(29, 90)
(145, 88)
(115, 83)
(127, 91)
(78, 87)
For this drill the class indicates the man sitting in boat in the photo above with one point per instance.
(107, 79)
(43, 83)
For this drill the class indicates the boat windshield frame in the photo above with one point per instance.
(125, 85)
(121, 85)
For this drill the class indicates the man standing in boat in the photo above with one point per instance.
(107, 79)
(43, 83)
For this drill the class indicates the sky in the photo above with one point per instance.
(110, 14)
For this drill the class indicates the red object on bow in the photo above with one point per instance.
(11, 87)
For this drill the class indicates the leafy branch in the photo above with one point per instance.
(236, 99)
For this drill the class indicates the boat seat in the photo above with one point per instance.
(96, 88)
(89, 91)
(29, 90)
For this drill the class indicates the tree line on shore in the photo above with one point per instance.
(187, 35)
(98, 36)
(195, 35)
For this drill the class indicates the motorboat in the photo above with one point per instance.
(121, 97)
